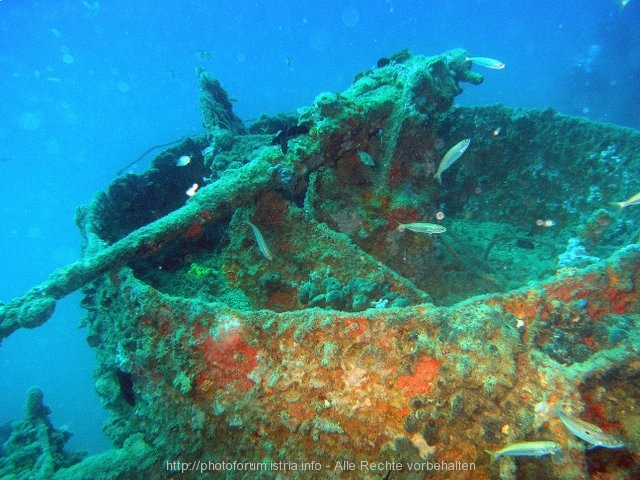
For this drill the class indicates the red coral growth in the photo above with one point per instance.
(228, 360)
(195, 230)
(620, 300)
(272, 207)
(355, 326)
(611, 300)
(562, 292)
(420, 382)
(525, 306)
(197, 227)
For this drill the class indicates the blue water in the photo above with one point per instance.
(88, 86)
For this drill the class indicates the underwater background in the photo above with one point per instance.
(89, 86)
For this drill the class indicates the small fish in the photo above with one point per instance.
(588, 432)
(453, 154)
(192, 190)
(262, 245)
(487, 62)
(429, 228)
(526, 449)
(635, 200)
(366, 159)
(183, 161)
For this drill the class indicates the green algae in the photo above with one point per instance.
(200, 271)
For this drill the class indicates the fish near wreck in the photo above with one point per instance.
(635, 200)
(487, 62)
(589, 433)
(526, 449)
(453, 154)
(262, 244)
(183, 161)
(429, 228)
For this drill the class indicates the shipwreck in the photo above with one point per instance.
(276, 323)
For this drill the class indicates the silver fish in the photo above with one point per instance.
(366, 159)
(429, 228)
(635, 200)
(526, 449)
(487, 62)
(183, 161)
(588, 432)
(453, 154)
(262, 244)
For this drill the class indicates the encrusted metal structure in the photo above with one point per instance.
(360, 350)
